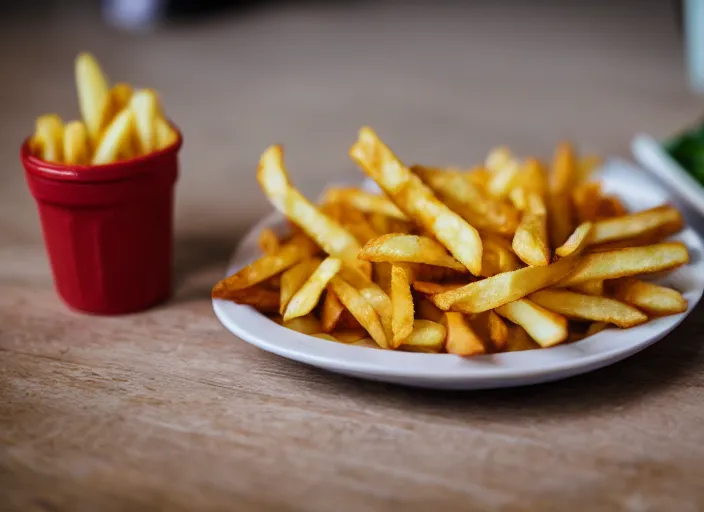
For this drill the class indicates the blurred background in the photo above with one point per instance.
(443, 82)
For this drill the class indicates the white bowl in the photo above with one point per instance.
(447, 371)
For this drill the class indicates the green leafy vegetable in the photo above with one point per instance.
(688, 150)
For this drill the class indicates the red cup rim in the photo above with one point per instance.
(124, 169)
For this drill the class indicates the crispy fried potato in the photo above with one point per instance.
(426, 310)
(350, 335)
(498, 158)
(325, 336)
(532, 178)
(589, 307)
(268, 241)
(545, 327)
(364, 201)
(479, 177)
(423, 272)
(50, 133)
(93, 92)
(331, 311)
(595, 328)
(461, 338)
(330, 235)
(260, 298)
(382, 276)
(560, 218)
(595, 287)
(502, 253)
(145, 105)
(503, 176)
(587, 165)
(628, 262)
(305, 324)
(165, 134)
(426, 336)
(402, 303)
(651, 298)
(518, 340)
(577, 241)
(498, 331)
(76, 145)
(361, 309)
(351, 219)
(307, 297)
(503, 288)
(586, 198)
(530, 242)
(399, 248)
(468, 201)
(430, 288)
(298, 249)
(611, 206)
(293, 279)
(117, 143)
(656, 220)
(416, 200)
(117, 99)
(372, 292)
(349, 322)
(565, 174)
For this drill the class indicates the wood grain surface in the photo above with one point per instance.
(165, 410)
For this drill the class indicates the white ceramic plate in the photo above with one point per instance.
(653, 157)
(490, 371)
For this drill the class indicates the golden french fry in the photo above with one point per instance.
(560, 218)
(423, 272)
(350, 336)
(628, 262)
(611, 206)
(330, 235)
(260, 298)
(498, 158)
(479, 177)
(587, 165)
(595, 328)
(307, 297)
(36, 146)
(501, 253)
(305, 324)
(656, 220)
(117, 141)
(532, 178)
(577, 241)
(469, 201)
(402, 303)
(364, 201)
(331, 311)
(649, 297)
(268, 241)
(430, 288)
(76, 145)
(503, 288)
(461, 339)
(117, 99)
(545, 327)
(372, 292)
(426, 310)
(530, 242)
(50, 132)
(498, 331)
(362, 310)
(504, 173)
(586, 198)
(589, 307)
(298, 249)
(350, 219)
(416, 200)
(325, 336)
(93, 92)
(565, 174)
(400, 248)
(426, 336)
(293, 279)
(595, 287)
(382, 276)
(145, 105)
(518, 340)
(165, 134)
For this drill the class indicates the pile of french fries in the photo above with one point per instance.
(117, 123)
(510, 255)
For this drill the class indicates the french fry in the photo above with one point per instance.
(402, 303)
(498, 331)
(502, 253)
(298, 249)
(50, 132)
(497, 159)
(305, 324)
(586, 198)
(518, 340)
(560, 218)
(76, 145)
(426, 336)
(595, 287)
(307, 297)
(350, 219)
(293, 279)
(651, 298)
(662, 219)
(349, 322)
(145, 105)
(530, 242)
(545, 327)
(503, 177)
(331, 311)
(327, 233)
(268, 241)
(372, 292)
(117, 141)
(610, 206)
(626, 262)
(577, 241)
(430, 288)
(400, 248)
(93, 92)
(595, 328)
(479, 177)
(325, 336)
(589, 307)
(503, 288)
(565, 174)
(416, 200)
(461, 339)
(117, 99)
(532, 178)
(426, 310)
(260, 298)
(364, 201)
(469, 201)
(165, 134)
(360, 309)
(587, 165)
(350, 336)
(424, 272)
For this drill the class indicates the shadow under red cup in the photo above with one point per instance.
(108, 229)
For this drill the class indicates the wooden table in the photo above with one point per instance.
(166, 410)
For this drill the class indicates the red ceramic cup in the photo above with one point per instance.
(108, 228)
